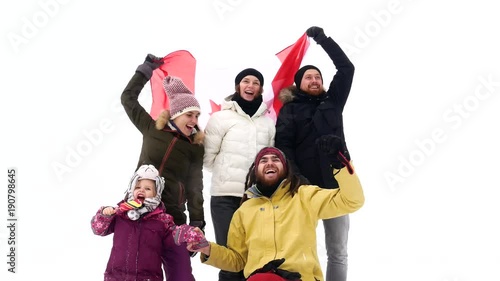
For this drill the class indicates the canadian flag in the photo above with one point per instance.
(181, 64)
(290, 58)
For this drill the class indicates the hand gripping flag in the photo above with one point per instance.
(181, 64)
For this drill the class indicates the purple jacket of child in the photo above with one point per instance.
(139, 246)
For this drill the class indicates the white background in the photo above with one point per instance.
(420, 123)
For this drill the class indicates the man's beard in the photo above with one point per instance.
(268, 186)
(315, 92)
(267, 182)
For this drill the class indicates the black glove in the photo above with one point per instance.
(329, 144)
(333, 146)
(150, 63)
(201, 225)
(344, 160)
(316, 33)
(272, 267)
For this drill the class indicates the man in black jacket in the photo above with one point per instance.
(308, 124)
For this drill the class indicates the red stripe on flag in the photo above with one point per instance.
(291, 58)
(180, 64)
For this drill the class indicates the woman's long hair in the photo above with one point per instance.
(291, 178)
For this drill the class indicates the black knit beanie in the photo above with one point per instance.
(300, 73)
(249, 71)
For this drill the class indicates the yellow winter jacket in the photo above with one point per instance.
(264, 229)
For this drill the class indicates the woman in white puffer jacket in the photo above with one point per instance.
(233, 136)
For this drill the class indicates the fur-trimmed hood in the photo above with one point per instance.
(197, 138)
(287, 94)
(292, 93)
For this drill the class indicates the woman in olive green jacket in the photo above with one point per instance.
(173, 143)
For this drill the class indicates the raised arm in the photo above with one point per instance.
(330, 203)
(342, 80)
(129, 98)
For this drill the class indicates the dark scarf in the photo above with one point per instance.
(172, 125)
(268, 190)
(249, 107)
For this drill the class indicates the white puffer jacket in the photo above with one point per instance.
(232, 139)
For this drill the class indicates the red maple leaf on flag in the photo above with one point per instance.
(180, 64)
(215, 107)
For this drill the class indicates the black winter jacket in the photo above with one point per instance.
(304, 118)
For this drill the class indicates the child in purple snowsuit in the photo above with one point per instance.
(144, 234)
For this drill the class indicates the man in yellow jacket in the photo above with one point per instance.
(278, 219)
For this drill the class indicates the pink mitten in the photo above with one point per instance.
(186, 233)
